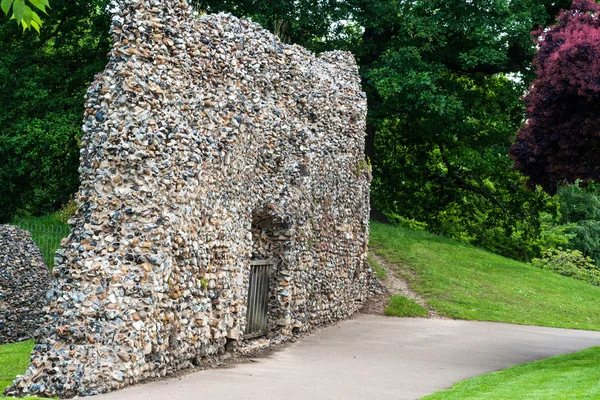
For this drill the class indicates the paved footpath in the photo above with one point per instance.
(371, 357)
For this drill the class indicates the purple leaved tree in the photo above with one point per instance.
(560, 140)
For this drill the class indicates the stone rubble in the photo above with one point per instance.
(207, 143)
(24, 281)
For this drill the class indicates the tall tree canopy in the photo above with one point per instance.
(560, 141)
(443, 79)
(314, 24)
(43, 80)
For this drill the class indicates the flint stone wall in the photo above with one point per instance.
(24, 281)
(207, 143)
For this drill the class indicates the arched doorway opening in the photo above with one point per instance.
(267, 261)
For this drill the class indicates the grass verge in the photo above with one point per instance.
(14, 359)
(465, 282)
(571, 376)
(400, 306)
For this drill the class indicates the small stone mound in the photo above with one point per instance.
(24, 281)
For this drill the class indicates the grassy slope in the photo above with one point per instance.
(51, 219)
(464, 282)
(571, 376)
(398, 306)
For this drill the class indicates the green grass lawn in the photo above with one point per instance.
(400, 306)
(572, 376)
(465, 282)
(14, 359)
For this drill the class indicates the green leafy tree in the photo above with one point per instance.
(44, 78)
(443, 79)
(23, 13)
(314, 24)
(580, 211)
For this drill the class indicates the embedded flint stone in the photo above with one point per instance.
(207, 144)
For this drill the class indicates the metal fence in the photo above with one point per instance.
(47, 237)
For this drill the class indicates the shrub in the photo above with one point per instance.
(580, 208)
(405, 222)
(571, 263)
(67, 211)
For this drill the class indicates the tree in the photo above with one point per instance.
(442, 108)
(44, 78)
(23, 13)
(580, 211)
(314, 24)
(560, 140)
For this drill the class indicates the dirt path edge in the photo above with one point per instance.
(394, 284)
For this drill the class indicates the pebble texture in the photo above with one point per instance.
(207, 143)
(24, 281)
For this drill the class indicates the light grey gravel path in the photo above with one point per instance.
(371, 357)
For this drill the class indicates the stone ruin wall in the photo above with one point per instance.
(24, 281)
(207, 143)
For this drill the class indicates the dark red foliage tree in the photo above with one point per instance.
(560, 140)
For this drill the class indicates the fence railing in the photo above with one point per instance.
(47, 237)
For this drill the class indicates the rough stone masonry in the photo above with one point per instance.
(208, 145)
(24, 281)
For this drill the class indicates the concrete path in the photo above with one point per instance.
(371, 357)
